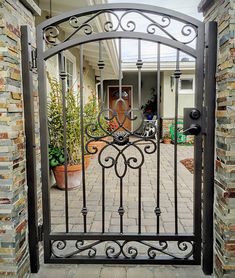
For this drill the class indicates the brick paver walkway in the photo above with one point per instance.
(130, 190)
(130, 195)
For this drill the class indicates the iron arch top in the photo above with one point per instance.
(161, 25)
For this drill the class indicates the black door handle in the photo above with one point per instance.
(194, 129)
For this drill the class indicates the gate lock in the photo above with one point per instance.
(191, 121)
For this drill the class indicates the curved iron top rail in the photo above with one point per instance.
(190, 25)
(121, 7)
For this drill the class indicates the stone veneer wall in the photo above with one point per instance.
(14, 257)
(223, 11)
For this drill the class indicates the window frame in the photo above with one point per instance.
(68, 56)
(187, 91)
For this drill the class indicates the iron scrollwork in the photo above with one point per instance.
(118, 147)
(116, 21)
(62, 248)
(117, 249)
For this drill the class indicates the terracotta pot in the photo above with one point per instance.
(74, 176)
(98, 144)
(167, 141)
(91, 156)
(87, 158)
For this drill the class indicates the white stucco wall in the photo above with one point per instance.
(185, 99)
(52, 66)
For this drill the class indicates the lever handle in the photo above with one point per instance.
(194, 129)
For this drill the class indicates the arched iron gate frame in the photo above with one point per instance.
(191, 243)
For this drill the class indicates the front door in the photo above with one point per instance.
(121, 106)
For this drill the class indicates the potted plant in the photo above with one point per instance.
(150, 107)
(167, 138)
(73, 141)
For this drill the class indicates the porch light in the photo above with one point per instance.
(172, 82)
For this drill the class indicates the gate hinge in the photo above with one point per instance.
(40, 233)
(33, 59)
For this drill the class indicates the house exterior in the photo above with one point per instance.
(91, 51)
(149, 88)
(129, 70)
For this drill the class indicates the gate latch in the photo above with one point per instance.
(194, 129)
(34, 58)
(191, 121)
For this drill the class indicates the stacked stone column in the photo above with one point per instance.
(223, 11)
(14, 258)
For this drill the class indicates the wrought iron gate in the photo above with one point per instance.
(120, 246)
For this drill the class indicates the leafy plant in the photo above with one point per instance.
(91, 111)
(56, 125)
(73, 124)
(167, 136)
(56, 156)
(150, 107)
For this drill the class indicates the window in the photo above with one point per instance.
(69, 70)
(116, 94)
(187, 84)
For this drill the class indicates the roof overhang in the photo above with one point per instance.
(32, 6)
(152, 66)
(205, 5)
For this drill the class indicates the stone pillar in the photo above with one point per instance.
(14, 256)
(223, 11)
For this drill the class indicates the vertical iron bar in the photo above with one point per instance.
(177, 76)
(30, 149)
(44, 141)
(63, 76)
(209, 148)
(197, 184)
(121, 209)
(139, 202)
(84, 209)
(101, 67)
(50, 8)
(157, 210)
(139, 65)
(103, 199)
(120, 67)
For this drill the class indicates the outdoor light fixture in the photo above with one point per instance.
(172, 82)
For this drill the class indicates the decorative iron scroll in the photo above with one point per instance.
(120, 139)
(122, 249)
(164, 25)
